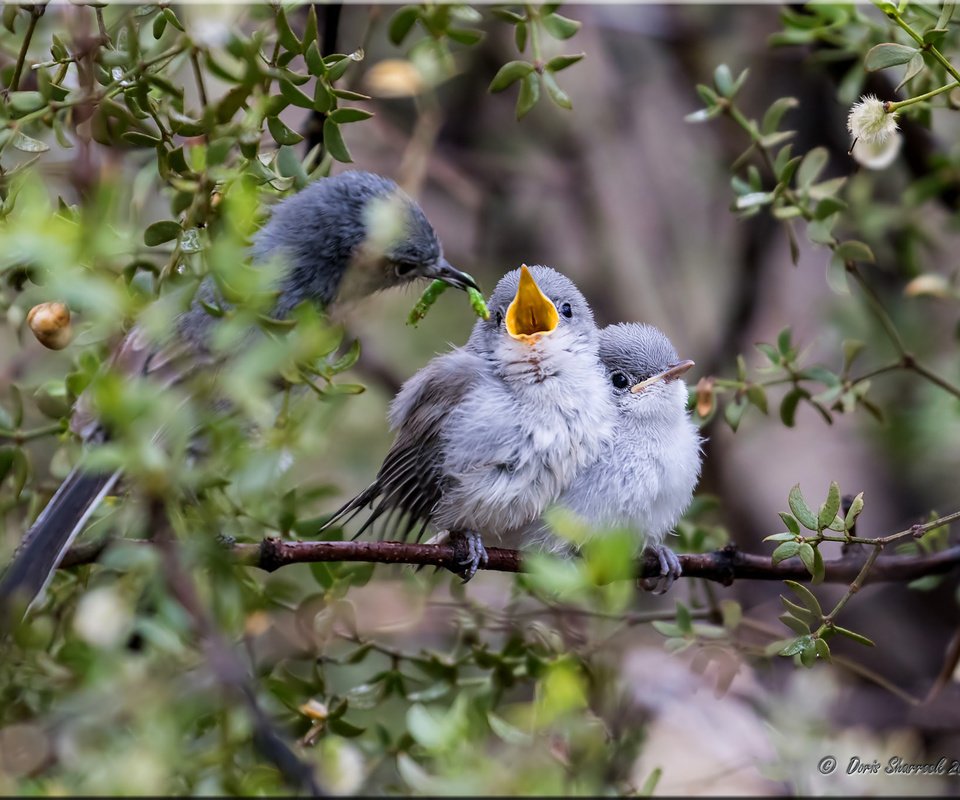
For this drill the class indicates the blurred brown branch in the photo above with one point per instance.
(224, 663)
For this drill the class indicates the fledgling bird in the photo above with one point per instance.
(646, 472)
(338, 239)
(489, 434)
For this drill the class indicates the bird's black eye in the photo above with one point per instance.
(404, 268)
(566, 310)
(499, 319)
(620, 380)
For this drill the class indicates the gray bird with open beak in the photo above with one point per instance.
(489, 434)
(646, 473)
(338, 239)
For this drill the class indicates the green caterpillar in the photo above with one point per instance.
(433, 291)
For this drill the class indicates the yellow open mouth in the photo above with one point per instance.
(531, 314)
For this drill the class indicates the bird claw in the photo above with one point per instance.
(469, 552)
(670, 570)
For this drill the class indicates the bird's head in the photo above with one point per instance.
(351, 235)
(400, 240)
(644, 370)
(535, 311)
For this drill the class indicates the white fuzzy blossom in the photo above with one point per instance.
(870, 123)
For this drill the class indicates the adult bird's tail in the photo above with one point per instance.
(35, 561)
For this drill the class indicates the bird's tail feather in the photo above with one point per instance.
(44, 545)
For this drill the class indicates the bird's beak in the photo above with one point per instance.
(446, 272)
(531, 314)
(670, 374)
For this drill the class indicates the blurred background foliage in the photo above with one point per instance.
(140, 147)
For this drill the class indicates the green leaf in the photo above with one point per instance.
(935, 36)
(560, 27)
(823, 650)
(529, 95)
(172, 19)
(785, 551)
(790, 521)
(286, 36)
(801, 510)
(808, 655)
(857, 637)
(343, 116)
(348, 359)
(281, 133)
(797, 645)
(558, 63)
(851, 349)
(946, 13)
(856, 507)
(310, 28)
(807, 556)
(25, 144)
(703, 114)
(770, 352)
(852, 250)
(811, 166)
(160, 232)
(667, 628)
(819, 570)
(556, 94)
(733, 412)
(914, 68)
(520, 36)
(732, 613)
(139, 138)
(336, 69)
(343, 728)
(830, 507)
(314, 60)
(294, 95)
(837, 275)
(807, 597)
(757, 396)
(788, 406)
(723, 80)
(684, 619)
(771, 119)
(801, 613)
(26, 101)
(509, 73)
(333, 141)
(402, 22)
(886, 55)
(797, 626)
(783, 342)
(465, 36)
(786, 536)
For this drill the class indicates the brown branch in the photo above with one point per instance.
(723, 566)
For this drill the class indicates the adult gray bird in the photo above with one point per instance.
(487, 435)
(646, 473)
(338, 239)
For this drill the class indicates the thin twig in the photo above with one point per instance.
(35, 13)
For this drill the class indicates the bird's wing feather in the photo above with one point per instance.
(44, 545)
(410, 481)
